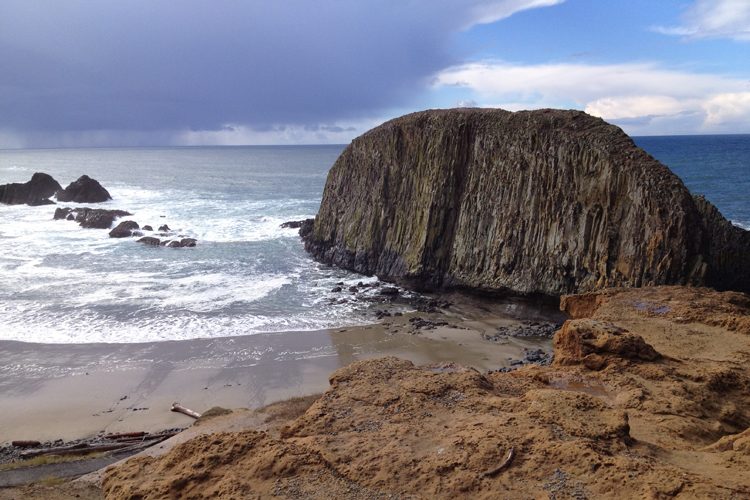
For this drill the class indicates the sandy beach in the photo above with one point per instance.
(74, 391)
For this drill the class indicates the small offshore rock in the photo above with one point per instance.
(147, 228)
(124, 229)
(188, 242)
(62, 213)
(97, 218)
(83, 190)
(34, 193)
(164, 228)
(292, 224)
(389, 290)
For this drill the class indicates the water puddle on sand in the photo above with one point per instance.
(567, 385)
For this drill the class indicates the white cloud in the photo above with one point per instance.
(714, 19)
(489, 12)
(471, 103)
(725, 109)
(643, 95)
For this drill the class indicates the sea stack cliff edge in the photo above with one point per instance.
(550, 201)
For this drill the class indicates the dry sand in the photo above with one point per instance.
(57, 391)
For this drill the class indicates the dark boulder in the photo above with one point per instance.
(164, 228)
(35, 192)
(147, 228)
(124, 229)
(183, 243)
(97, 218)
(62, 213)
(70, 217)
(304, 226)
(149, 241)
(84, 190)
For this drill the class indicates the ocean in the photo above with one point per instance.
(60, 283)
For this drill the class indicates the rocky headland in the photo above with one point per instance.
(550, 201)
(648, 397)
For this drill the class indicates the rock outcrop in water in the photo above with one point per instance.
(90, 218)
(35, 192)
(84, 190)
(546, 201)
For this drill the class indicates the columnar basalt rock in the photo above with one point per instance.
(546, 201)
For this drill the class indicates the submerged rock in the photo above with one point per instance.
(546, 201)
(83, 190)
(34, 193)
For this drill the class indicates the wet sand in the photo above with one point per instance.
(74, 391)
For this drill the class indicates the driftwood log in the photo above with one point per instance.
(78, 449)
(506, 463)
(125, 435)
(190, 413)
(146, 438)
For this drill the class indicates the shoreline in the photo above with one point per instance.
(75, 391)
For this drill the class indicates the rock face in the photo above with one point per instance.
(35, 192)
(84, 190)
(546, 201)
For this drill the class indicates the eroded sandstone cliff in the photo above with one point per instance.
(544, 201)
(648, 398)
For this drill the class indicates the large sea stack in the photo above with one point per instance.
(549, 201)
(35, 192)
(84, 190)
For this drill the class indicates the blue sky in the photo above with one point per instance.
(85, 73)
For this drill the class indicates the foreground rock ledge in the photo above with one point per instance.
(662, 413)
(546, 201)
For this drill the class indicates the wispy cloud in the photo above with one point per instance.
(642, 95)
(491, 11)
(713, 19)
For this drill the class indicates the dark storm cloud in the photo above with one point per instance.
(199, 65)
